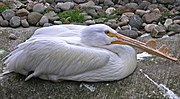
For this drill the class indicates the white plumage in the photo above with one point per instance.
(72, 52)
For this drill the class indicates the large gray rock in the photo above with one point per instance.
(151, 17)
(43, 20)
(24, 23)
(108, 3)
(166, 1)
(15, 21)
(136, 21)
(144, 5)
(130, 7)
(79, 1)
(8, 14)
(22, 12)
(34, 17)
(67, 6)
(4, 23)
(52, 16)
(175, 28)
(39, 7)
(130, 33)
(88, 4)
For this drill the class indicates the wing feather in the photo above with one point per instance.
(55, 57)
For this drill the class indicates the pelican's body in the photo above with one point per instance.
(68, 53)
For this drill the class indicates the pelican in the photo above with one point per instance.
(80, 53)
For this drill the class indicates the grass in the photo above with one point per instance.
(164, 16)
(3, 7)
(71, 16)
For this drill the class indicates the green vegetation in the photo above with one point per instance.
(71, 16)
(164, 16)
(3, 7)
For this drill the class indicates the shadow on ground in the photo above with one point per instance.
(135, 86)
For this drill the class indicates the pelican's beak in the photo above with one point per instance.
(162, 52)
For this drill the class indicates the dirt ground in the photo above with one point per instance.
(135, 86)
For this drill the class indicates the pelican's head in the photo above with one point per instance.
(98, 35)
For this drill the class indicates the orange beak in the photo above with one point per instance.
(162, 52)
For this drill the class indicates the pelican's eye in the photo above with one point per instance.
(106, 31)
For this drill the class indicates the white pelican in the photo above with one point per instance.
(80, 53)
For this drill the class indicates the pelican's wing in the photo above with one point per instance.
(51, 58)
(59, 30)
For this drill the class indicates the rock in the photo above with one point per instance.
(130, 7)
(151, 17)
(176, 21)
(39, 7)
(158, 31)
(1, 19)
(144, 5)
(4, 23)
(89, 22)
(174, 27)
(12, 36)
(128, 14)
(50, 1)
(14, 4)
(152, 6)
(8, 14)
(166, 1)
(67, 6)
(136, 21)
(149, 27)
(110, 10)
(52, 16)
(141, 12)
(129, 33)
(24, 23)
(15, 21)
(124, 19)
(43, 20)
(29, 5)
(34, 17)
(100, 20)
(57, 22)
(108, 3)
(87, 17)
(168, 22)
(112, 23)
(87, 4)
(79, 1)
(47, 24)
(92, 12)
(22, 12)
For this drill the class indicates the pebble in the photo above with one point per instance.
(15, 21)
(44, 19)
(4, 23)
(158, 31)
(34, 17)
(57, 22)
(129, 33)
(110, 10)
(168, 22)
(12, 36)
(174, 27)
(89, 22)
(52, 16)
(8, 14)
(24, 23)
(79, 1)
(136, 21)
(22, 12)
(67, 6)
(151, 17)
(39, 7)
(149, 27)
(176, 21)
(144, 5)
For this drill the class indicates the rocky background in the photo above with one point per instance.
(129, 17)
